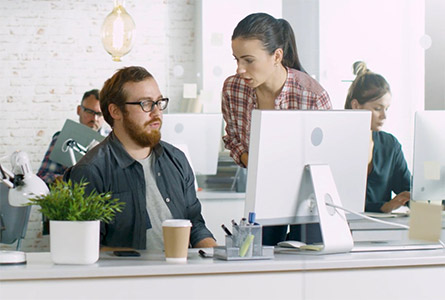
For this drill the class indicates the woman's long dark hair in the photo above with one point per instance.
(273, 33)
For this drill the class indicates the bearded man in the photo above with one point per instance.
(152, 177)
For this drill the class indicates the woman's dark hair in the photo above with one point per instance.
(113, 91)
(367, 86)
(273, 33)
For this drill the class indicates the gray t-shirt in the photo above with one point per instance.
(156, 207)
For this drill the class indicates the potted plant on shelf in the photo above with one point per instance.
(75, 220)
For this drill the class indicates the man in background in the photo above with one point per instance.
(90, 115)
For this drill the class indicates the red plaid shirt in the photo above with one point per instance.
(300, 91)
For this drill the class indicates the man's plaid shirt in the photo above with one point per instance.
(49, 169)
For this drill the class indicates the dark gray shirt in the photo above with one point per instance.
(389, 171)
(108, 167)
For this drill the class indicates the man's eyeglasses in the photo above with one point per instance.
(149, 105)
(91, 112)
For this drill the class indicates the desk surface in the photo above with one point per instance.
(40, 266)
(397, 275)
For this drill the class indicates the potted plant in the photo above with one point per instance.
(75, 220)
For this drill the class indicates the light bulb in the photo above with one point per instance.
(118, 31)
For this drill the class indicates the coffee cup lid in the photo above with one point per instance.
(177, 223)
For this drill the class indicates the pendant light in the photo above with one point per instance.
(118, 31)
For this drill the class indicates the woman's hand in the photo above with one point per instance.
(396, 202)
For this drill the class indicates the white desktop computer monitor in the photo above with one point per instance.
(284, 142)
(198, 135)
(428, 182)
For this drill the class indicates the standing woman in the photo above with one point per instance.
(387, 168)
(269, 75)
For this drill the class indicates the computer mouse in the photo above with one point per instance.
(291, 244)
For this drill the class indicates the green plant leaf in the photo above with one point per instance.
(66, 201)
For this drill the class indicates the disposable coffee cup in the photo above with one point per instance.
(176, 234)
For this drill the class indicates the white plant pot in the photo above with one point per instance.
(74, 242)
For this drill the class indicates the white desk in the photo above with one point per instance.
(386, 275)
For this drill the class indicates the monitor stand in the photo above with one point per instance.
(334, 227)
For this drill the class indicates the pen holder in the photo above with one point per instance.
(244, 243)
(248, 239)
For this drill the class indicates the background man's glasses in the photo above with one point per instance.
(91, 112)
(149, 105)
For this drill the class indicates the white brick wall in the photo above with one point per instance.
(51, 53)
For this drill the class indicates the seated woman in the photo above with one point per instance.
(387, 168)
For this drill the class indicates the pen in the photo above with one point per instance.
(226, 230)
(234, 223)
(252, 216)
(203, 254)
(242, 222)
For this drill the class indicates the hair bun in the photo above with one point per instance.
(359, 68)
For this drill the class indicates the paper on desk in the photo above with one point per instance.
(402, 211)
(381, 215)
(425, 221)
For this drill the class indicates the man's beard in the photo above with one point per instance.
(140, 135)
(94, 125)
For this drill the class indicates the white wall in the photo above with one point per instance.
(51, 53)
(214, 31)
(384, 34)
(303, 15)
(435, 55)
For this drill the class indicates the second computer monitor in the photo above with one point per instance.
(429, 156)
(283, 142)
(198, 135)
